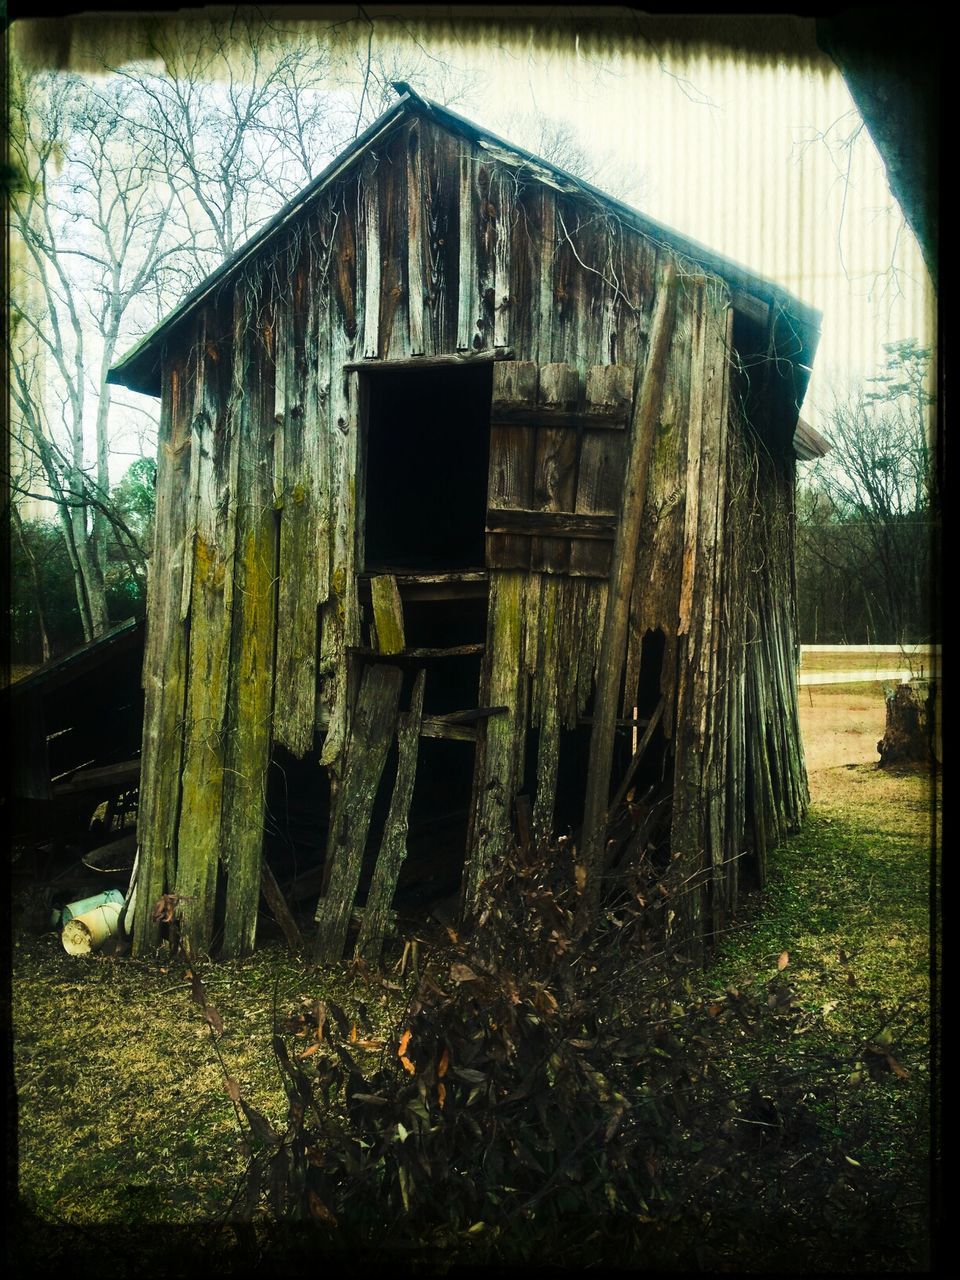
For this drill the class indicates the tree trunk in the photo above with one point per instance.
(908, 738)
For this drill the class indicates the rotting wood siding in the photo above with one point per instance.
(429, 246)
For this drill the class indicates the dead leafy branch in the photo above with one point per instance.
(546, 1096)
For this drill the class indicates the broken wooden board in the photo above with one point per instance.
(281, 912)
(165, 656)
(371, 732)
(387, 614)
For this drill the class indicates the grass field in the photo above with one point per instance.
(124, 1116)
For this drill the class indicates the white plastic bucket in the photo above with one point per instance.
(86, 933)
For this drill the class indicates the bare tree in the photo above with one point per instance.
(90, 230)
(235, 120)
(868, 517)
(131, 188)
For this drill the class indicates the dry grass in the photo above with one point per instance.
(123, 1110)
(854, 660)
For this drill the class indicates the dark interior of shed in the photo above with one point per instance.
(427, 446)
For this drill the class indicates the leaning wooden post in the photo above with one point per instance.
(647, 399)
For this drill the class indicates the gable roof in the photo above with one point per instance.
(756, 297)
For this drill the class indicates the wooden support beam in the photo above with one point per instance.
(372, 727)
(393, 847)
(622, 571)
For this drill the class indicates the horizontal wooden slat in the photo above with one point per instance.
(473, 713)
(431, 727)
(556, 523)
(543, 416)
(374, 365)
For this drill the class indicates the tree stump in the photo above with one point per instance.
(908, 738)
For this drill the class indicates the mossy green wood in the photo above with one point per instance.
(247, 753)
(393, 847)
(210, 604)
(372, 727)
(387, 614)
(545, 712)
(165, 659)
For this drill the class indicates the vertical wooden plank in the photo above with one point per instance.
(546, 711)
(340, 623)
(468, 295)
(252, 669)
(526, 247)
(393, 847)
(694, 768)
(602, 459)
(394, 328)
(591, 597)
(578, 284)
(371, 730)
(165, 657)
(299, 476)
(193, 496)
(656, 594)
(612, 297)
(371, 261)
(713, 666)
(555, 464)
(198, 837)
(510, 478)
(417, 244)
(442, 231)
(548, 254)
(502, 196)
(502, 683)
(487, 215)
(623, 568)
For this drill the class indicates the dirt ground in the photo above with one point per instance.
(841, 726)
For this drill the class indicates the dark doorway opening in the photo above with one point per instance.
(427, 453)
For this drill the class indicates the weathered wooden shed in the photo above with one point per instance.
(475, 507)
